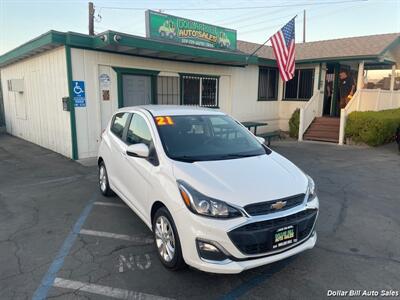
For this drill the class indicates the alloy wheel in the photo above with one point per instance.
(103, 179)
(165, 239)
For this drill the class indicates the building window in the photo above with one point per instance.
(267, 83)
(200, 90)
(301, 86)
(168, 90)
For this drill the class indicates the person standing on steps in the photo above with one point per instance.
(346, 88)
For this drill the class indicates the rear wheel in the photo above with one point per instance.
(167, 240)
(104, 184)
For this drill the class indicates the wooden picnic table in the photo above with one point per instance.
(250, 124)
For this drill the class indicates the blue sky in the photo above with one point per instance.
(23, 20)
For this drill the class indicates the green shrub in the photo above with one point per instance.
(294, 122)
(373, 127)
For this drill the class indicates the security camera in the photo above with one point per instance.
(103, 37)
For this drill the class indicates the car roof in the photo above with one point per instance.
(173, 110)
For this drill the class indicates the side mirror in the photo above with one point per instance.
(260, 139)
(138, 150)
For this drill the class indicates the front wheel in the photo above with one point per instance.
(167, 240)
(104, 184)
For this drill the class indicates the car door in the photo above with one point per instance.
(139, 171)
(117, 158)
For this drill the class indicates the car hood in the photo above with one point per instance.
(244, 181)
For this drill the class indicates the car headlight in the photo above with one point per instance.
(311, 190)
(204, 205)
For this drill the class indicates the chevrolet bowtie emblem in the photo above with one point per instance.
(278, 205)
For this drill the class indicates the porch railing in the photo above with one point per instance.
(309, 112)
(368, 100)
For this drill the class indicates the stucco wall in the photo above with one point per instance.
(37, 114)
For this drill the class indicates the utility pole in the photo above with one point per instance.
(304, 26)
(91, 18)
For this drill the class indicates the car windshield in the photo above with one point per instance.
(206, 137)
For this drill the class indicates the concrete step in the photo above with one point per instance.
(334, 135)
(324, 127)
(321, 139)
(324, 120)
(321, 135)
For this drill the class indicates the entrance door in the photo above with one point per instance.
(328, 94)
(331, 94)
(136, 90)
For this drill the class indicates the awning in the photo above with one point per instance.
(116, 42)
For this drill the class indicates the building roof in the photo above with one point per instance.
(118, 42)
(336, 49)
(370, 48)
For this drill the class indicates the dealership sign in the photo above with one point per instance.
(185, 31)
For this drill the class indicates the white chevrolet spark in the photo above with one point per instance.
(215, 197)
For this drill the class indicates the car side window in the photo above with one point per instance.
(138, 132)
(118, 124)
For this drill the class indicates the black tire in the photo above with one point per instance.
(104, 188)
(177, 261)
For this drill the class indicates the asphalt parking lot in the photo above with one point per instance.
(61, 239)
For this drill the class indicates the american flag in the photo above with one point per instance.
(283, 45)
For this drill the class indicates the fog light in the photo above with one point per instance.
(210, 251)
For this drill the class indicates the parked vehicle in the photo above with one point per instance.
(215, 197)
(398, 137)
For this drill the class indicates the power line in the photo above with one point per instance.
(233, 8)
(269, 20)
(244, 17)
(277, 26)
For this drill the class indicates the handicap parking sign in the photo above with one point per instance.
(79, 93)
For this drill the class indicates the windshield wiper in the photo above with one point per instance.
(191, 159)
(236, 155)
(186, 158)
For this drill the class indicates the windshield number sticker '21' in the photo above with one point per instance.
(162, 121)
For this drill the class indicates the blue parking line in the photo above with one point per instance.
(245, 287)
(48, 279)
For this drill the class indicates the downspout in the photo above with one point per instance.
(74, 142)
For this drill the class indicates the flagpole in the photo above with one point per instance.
(259, 47)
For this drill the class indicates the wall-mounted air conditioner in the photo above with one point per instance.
(15, 85)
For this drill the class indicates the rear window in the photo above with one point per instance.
(118, 124)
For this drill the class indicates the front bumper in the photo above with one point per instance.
(191, 227)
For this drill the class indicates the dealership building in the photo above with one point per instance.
(60, 89)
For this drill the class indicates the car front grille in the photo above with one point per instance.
(257, 237)
(263, 208)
